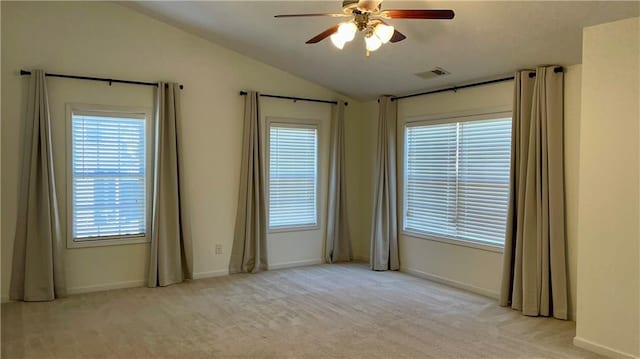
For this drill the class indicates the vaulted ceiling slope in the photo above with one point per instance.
(485, 40)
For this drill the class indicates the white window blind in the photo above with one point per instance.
(293, 177)
(108, 170)
(457, 179)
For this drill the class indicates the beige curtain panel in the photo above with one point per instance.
(171, 256)
(534, 270)
(249, 252)
(338, 244)
(384, 234)
(38, 268)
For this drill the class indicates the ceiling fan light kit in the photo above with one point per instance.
(368, 18)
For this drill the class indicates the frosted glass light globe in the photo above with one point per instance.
(372, 43)
(337, 41)
(384, 32)
(347, 30)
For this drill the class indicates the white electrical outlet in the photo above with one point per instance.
(218, 248)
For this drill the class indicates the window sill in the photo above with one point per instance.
(111, 241)
(312, 227)
(455, 241)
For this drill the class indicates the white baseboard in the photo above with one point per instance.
(364, 259)
(106, 286)
(128, 284)
(200, 275)
(450, 282)
(211, 274)
(306, 262)
(601, 349)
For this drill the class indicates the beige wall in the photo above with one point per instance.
(361, 155)
(106, 39)
(609, 202)
(572, 95)
(466, 267)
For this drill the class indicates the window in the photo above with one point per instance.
(293, 176)
(456, 180)
(108, 176)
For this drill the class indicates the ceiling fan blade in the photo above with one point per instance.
(323, 35)
(418, 14)
(310, 15)
(397, 36)
(368, 5)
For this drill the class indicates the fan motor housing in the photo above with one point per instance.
(349, 6)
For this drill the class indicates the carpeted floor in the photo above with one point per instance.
(343, 311)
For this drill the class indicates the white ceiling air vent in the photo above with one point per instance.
(438, 71)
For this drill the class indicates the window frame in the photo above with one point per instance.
(113, 111)
(438, 119)
(291, 123)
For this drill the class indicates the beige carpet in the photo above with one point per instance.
(321, 311)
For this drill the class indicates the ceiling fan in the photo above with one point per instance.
(368, 17)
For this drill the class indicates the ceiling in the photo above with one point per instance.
(484, 41)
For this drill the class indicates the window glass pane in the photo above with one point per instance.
(457, 179)
(483, 179)
(108, 169)
(292, 176)
(431, 179)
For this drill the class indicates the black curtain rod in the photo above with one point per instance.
(244, 93)
(456, 88)
(102, 79)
